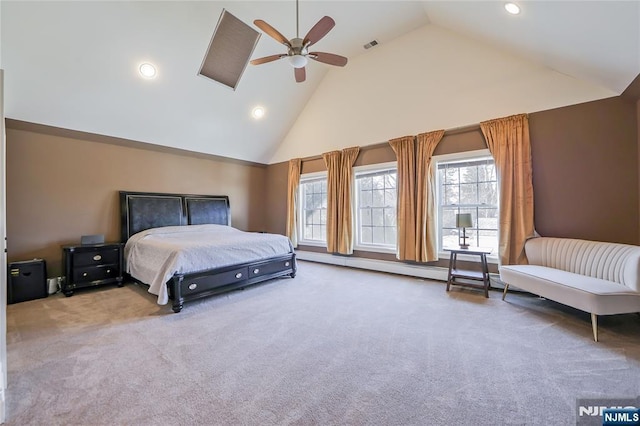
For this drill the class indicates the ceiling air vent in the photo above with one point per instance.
(231, 47)
(371, 44)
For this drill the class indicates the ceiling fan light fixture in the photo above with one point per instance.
(298, 61)
(512, 8)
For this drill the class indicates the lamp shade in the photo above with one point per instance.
(463, 220)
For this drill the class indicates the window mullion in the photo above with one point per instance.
(372, 187)
(475, 176)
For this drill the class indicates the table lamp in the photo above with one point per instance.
(463, 220)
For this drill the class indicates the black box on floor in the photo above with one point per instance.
(27, 280)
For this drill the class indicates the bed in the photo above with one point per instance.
(178, 226)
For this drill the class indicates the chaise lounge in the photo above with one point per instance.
(596, 277)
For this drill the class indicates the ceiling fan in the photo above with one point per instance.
(298, 52)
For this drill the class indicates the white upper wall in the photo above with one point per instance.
(426, 80)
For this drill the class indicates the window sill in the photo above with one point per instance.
(313, 243)
(394, 267)
(376, 249)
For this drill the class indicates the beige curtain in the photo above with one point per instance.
(345, 211)
(339, 188)
(406, 212)
(508, 141)
(292, 200)
(333, 162)
(426, 229)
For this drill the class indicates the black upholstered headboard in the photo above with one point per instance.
(144, 210)
(202, 210)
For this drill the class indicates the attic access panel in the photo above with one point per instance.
(229, 51)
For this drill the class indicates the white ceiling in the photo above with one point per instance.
(74, 64)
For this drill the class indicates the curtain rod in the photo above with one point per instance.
(448, 132)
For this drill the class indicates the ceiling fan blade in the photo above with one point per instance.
(319, 30)
(266, 59)
(328, 58)
(275, 34)
(300, 74)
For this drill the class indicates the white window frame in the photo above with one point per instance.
(359, 170)
(459, 156)
(303, 179)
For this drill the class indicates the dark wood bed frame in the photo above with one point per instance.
(144, 210)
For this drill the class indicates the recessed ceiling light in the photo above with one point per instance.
(512, 8)
(147, 70)
(258, 112)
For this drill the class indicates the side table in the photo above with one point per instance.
(482, 275)
(91, 265)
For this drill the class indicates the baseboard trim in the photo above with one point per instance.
(436, 273)
(428, 272)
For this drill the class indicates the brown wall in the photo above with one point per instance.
(276, 196)
(59, 188)
(632, 93)
(62, 186)
(585, 171)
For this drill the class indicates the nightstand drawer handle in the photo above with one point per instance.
(255, 271)
(97, 257)
(239, 275)
(84, 275)
(108, 271)
(193, 286)
(286, 263)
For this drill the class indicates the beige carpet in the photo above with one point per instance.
(334, 346)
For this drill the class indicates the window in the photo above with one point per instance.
(376, 200)
(313, 210)
(468, 185)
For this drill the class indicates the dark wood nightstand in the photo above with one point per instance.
(91, 265)
(482, 275)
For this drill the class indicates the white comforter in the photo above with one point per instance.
(155, 255)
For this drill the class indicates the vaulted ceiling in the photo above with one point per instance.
(438, 65)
